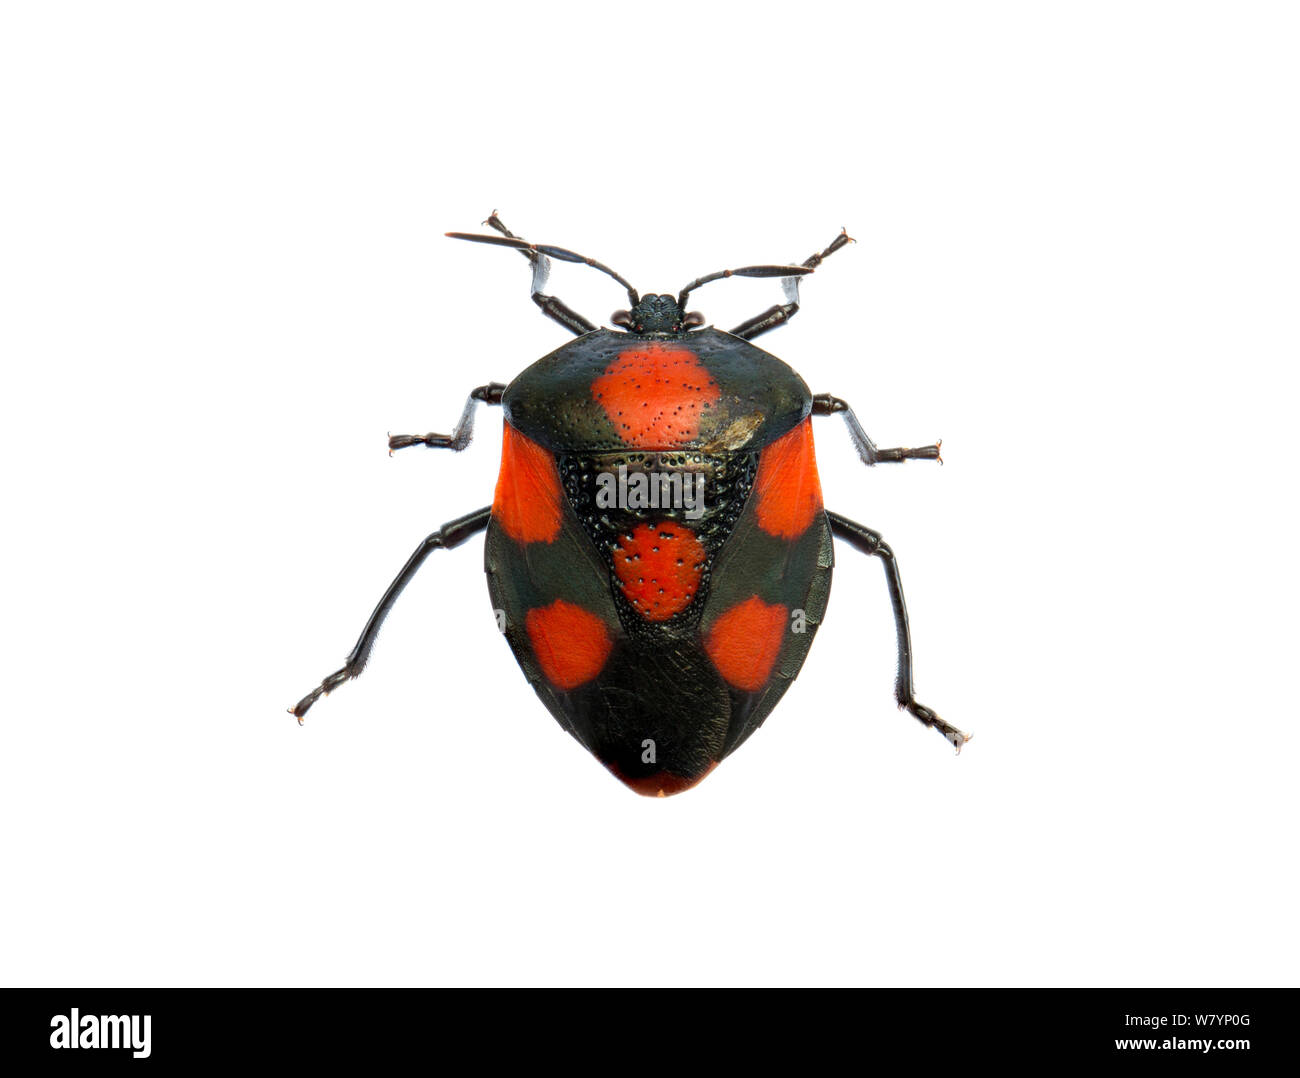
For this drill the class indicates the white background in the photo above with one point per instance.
(224, 282)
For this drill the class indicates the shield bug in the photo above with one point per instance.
(657, 551)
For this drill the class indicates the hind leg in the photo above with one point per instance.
(871, 542)
(446, 537)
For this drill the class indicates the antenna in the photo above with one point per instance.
(549, 252)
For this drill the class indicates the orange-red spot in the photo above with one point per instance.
(570, 643)
(745, 641)
(663, 783)
(655, 395)
(528, 501)
(787, 491)
(658, 567)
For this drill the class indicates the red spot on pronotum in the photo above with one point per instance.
(571, 644)
(745, 641)
(655, 395)
(528, 502)
(787, 491)
(658, 568)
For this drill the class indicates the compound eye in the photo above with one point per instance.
(622, 318)
(693, 319)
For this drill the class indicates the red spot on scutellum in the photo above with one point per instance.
(745, 641)
(658, 567)
(655, 395)
(571, 644)
(661, 784)
(787, 491)
(528, 501)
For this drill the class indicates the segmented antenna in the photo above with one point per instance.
(744, 271)
(546, 251)
(791, 273)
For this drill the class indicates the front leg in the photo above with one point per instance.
(825, 404)
(781, 314)
(460, 437)
(871, 542)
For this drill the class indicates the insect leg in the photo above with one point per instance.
(870, 542)
(825, 404)
(460, 437)
(553, 308)
(449, 535)
(782, 313)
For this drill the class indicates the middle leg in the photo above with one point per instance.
(459, 438)
(825, 404)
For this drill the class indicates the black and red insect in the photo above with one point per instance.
(657, 550)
